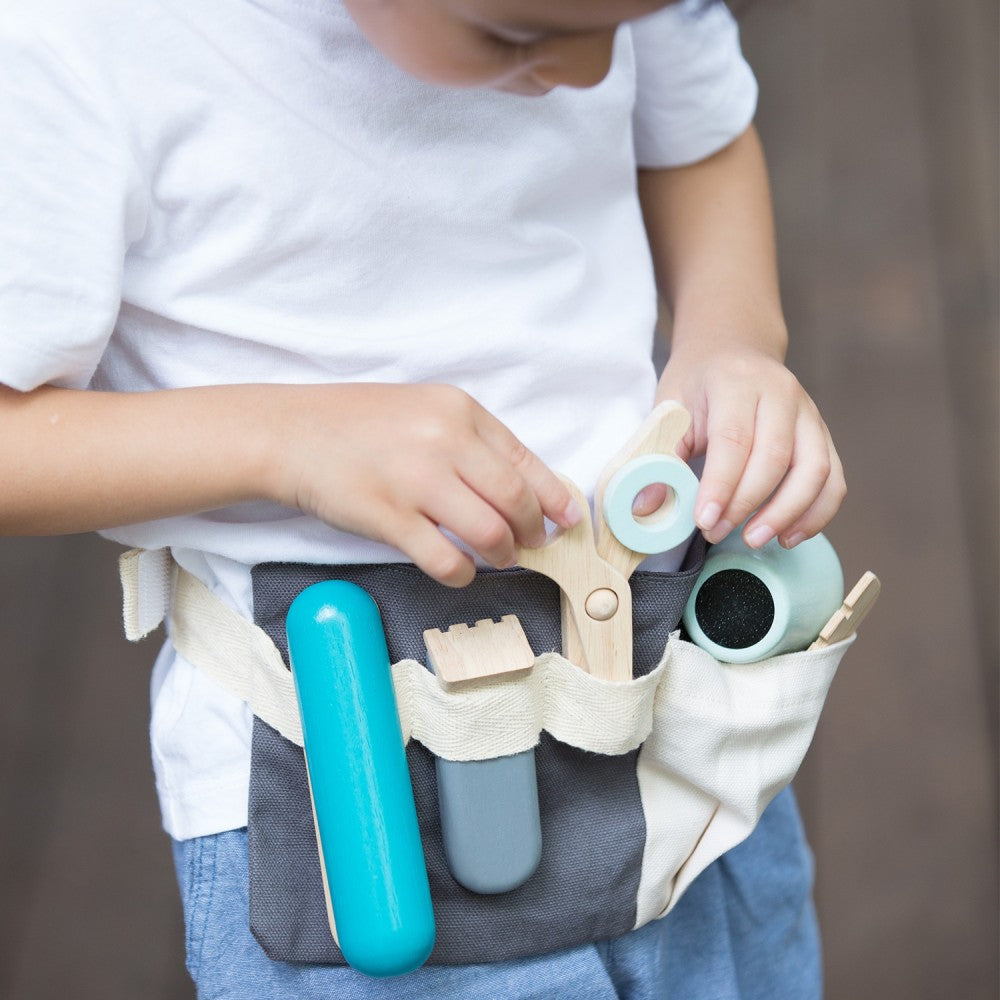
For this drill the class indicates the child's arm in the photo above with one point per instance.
(390, 462)
(711, 232)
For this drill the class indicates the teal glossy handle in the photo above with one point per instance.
(366, 820)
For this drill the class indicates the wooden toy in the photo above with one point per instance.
(592, 570)
(749, 604)
(486, 649)
(490, 821)
(374, 874)
(851, 613)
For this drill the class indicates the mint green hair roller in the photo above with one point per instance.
(665, 528)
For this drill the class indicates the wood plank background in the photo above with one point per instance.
(881, 126)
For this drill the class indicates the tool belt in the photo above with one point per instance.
(642, 784)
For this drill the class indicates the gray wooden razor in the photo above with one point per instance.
(490, 822)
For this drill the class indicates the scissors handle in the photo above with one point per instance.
(596, 599)
(660, 433)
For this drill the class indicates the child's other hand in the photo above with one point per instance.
(766, 446)
(397, 463)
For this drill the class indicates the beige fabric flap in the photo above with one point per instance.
(726, 739)
(485, 719)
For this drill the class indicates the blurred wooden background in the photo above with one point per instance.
(881, 124)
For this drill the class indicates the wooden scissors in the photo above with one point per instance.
(592, 563)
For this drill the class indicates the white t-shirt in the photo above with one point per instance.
(246, 191)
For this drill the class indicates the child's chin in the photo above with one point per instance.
(525, 87)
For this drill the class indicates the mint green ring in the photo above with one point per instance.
(667, 527)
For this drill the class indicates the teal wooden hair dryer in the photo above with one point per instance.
(374, 872)
(749, 604)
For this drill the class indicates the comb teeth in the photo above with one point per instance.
(486, 649)
(851, 613)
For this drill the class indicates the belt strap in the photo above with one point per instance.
(481, 720)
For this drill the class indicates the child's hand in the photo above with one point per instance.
(397, 463)
(765, 444)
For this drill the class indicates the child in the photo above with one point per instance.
(310, 282)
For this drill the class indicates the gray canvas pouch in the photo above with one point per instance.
(593, 826)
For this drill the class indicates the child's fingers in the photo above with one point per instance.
(509, 495)
(421, 539)
(819, 514)
(817, 517)
(809, 490)
(554, 500)
(730, 438)
(436, 556)
(466, 514)
(649, 499)
(768, 462)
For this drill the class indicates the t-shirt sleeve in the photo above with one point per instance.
(70, 203)
(695, 92)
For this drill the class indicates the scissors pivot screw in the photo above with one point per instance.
(602, 604)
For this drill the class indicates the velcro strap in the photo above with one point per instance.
(147, 581)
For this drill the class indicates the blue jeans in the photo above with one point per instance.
(745, 930)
